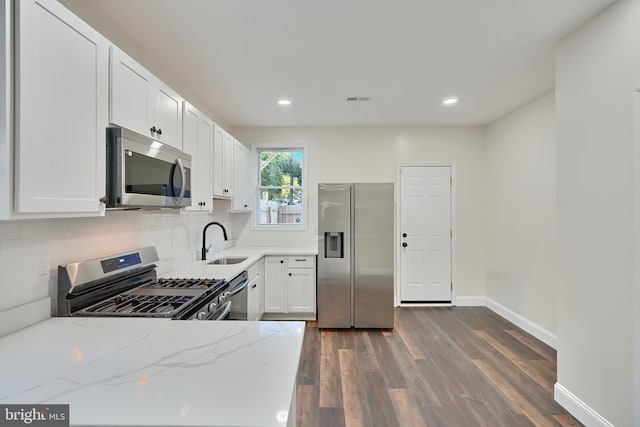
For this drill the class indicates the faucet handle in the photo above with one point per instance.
(209, 247)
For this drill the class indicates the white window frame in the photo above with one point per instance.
(305, 188)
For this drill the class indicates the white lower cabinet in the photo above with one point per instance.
(290, 285)
(301, 290)
(255, 293)
(274, 284)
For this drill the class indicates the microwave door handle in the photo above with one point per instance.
(183, 177)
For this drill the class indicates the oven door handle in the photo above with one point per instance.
(224, 311)
(183, 178)
(238, 287)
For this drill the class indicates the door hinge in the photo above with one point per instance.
(451, 181)
(451, 286)
(451, 234)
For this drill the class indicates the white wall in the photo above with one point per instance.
(521, 212)
(24, 295)
(598, 69)
(370, 155)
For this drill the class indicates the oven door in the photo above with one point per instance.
(238, 297)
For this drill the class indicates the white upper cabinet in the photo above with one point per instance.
(142, 103)
(222, 163)
(198, 141)
(244, 178)
(61, 112)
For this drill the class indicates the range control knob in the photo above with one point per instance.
(201, 315)
(212, 307)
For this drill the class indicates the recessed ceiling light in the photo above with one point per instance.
(450, 100)
(284, 101)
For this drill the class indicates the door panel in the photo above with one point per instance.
(61, 111)
(334, 260)
(168, 117)
(425, 218)
(373, 255)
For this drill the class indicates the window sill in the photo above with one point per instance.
(279, 227)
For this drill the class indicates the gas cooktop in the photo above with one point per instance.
(126, 285)
(157, 298)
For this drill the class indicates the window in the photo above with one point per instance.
(281, 187)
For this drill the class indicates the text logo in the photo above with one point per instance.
(34, 415)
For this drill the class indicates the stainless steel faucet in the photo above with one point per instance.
(204, 238)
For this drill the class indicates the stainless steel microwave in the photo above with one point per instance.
(145, 173)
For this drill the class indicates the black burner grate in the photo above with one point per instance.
(158, 298)
(182, 283)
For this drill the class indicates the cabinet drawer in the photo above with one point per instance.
(301, 261)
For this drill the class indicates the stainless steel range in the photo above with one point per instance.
(126, 285)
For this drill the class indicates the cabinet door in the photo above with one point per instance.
(190, 121)
(244, 178)
(61, 111)
(301, 290)
(274, 285)
(197, 134)
(219, 136)
(203, 162)
(252, 299)
(167, 116)
(132, 94)
(261, 293)
(227, 154)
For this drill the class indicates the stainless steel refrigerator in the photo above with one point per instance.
(355, 255)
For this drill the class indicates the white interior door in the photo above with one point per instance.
(425, 228)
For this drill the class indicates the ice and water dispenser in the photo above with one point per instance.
(334, 244)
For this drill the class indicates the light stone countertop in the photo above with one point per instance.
(155, 372)
(204, 270)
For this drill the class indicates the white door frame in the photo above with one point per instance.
(636, 256)
(398, 198)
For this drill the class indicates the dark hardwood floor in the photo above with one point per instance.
(451, 367)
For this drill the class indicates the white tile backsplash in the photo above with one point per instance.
(9, 231)
(23, 291)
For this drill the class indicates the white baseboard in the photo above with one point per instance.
(576, 407)
(532, 328)
(425, 304)
(564, 397)
(470, 301)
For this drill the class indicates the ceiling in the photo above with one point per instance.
(240, 56)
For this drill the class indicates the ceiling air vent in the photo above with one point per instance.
(358, 98)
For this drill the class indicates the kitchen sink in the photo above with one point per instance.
(229, 260)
